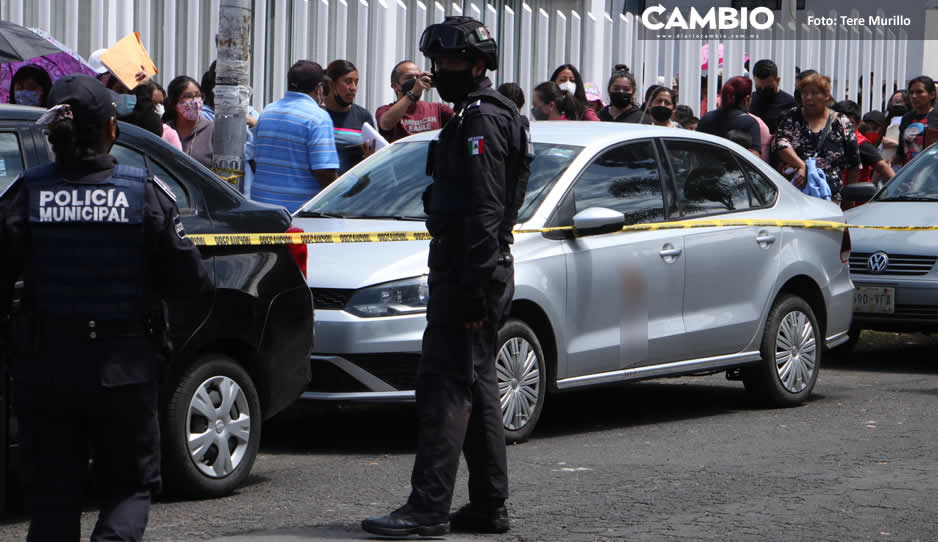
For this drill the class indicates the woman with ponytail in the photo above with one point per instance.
(730, 120)
(568, 80)
(548, 102)
(97, 245)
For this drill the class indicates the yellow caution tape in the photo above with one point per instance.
(260, 239)
(228, 175)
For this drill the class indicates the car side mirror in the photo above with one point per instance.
(596, 221)
(859, 192)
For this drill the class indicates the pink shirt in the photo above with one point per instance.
(764, 137)
(172, 137)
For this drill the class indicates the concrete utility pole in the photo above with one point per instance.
(232, 73)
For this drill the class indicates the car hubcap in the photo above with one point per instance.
(218, 427)
(519, 382)
(795, 351)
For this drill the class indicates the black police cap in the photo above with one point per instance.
(89, 100)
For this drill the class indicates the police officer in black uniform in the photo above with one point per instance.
(98, 245)
(480, 165)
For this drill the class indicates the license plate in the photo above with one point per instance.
(875, 300)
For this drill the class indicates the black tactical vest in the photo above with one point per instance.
(448, 203)
(87, 259)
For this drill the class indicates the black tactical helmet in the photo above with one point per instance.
(460, 36)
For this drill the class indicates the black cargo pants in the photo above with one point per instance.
(57, 427)
(458, 402)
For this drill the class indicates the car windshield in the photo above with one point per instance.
(917, 181)
(392, 183)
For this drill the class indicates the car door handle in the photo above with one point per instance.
(670, 252)
(765, 238)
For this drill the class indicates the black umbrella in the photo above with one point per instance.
(18, 43)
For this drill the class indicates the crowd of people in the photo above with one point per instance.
(313, 134)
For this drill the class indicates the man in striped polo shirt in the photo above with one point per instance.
(295, 146)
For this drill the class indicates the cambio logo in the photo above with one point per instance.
(723, 18)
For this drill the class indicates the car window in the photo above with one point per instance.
(624, 179)
(916, 181)
(11, 159)
(707, 178)
(129, 157)
(392, 183)
(763, 191)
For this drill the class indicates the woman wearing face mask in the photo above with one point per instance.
(158, 97)
(30, 86)
(659, 107)
(896, 107)
(621, 106)
(914, 123)
(548, 102)
(184, 114)
(568, 79)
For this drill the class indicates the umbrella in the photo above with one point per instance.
(18, 43)
(61, 62)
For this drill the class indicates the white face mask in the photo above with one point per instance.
(569, 87)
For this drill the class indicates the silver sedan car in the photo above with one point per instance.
(595, 307)
(895, 272)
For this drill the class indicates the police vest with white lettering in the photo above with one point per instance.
(88, 258)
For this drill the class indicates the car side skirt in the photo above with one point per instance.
(671, 368)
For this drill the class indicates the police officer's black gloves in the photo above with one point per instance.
(474, 306)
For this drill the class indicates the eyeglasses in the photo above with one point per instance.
(190, 96)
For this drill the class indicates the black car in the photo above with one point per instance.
(251, 350)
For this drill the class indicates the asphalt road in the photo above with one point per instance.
(678, 459)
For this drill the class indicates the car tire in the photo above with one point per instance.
(522, 379)
(194, 466)
(791, 355)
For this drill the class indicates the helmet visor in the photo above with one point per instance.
(448, 37)
(441, 36)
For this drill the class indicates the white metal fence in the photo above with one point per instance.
(376, 34)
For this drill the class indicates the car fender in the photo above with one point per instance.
(800, 259)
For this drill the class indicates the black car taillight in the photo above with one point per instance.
(845, 246)
(298, 251)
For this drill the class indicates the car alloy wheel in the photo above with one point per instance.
(518, 382)
(790, 352)
(219, 426)
(795, 351)
(521, 372)
(211, 429)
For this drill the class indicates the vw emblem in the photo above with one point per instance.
(878, 262)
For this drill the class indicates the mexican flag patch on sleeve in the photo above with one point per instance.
(477, 145)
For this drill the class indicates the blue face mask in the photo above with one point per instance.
(27, 97)
(125, 104)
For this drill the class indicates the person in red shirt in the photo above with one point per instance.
(409, 114)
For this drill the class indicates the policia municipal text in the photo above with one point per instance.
(480, 165)
(99, 246)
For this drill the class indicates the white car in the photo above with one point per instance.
(758, 302)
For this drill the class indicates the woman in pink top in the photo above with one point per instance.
(765, 138)
(569, 81)
(548, 102)
(169, 135)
